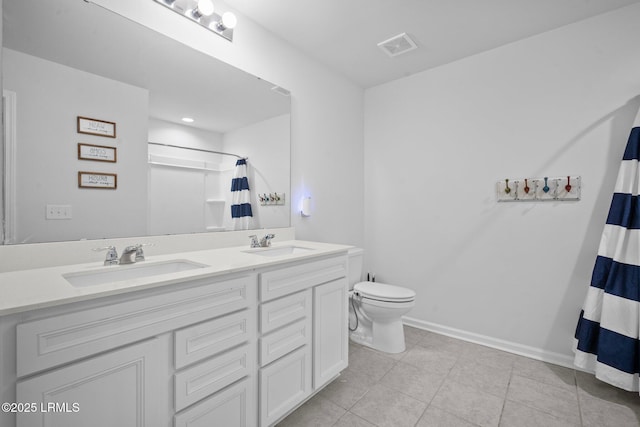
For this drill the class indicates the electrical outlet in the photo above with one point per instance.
(58, 212)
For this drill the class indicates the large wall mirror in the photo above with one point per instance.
(86, 92)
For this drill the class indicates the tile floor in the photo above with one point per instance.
(443, 382)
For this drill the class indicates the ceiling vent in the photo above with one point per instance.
(398, 45)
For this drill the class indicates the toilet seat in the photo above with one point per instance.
(385, 293)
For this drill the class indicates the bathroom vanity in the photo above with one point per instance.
(233, 337)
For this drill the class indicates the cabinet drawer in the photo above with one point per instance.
(275, 314)
(233, 406)
(52, 341)
(284, 384)
(278, 283)
(203, 340)
(281, 342)
(199, 381)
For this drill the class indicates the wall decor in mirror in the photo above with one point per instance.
(72, 72)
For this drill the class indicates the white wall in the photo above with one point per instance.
(267, 144)
(47, 145)
(326, 116)
(561, 103)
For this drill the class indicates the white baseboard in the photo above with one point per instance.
(511, 347)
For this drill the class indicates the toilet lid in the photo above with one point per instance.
(382, 292)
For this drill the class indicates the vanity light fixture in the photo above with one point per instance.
(202, 13)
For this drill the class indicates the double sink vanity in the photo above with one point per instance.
(233, 336)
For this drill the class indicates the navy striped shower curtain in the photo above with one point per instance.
(606, 339)
(241, 214)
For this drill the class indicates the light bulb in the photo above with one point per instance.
(204, 8)
(229, 20)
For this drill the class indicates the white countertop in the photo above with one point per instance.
(46, 287)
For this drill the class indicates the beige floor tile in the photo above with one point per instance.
(316, 412)
(413, 381)
(430, 359)
(544, 372)
(516, 414)
(471, 404)
(462, 384)
(353, 347)
(394, 356)
(413, 335)
(352, 420)
(481, 376)
(444, 343)
(557, 401)
(597, 412)
(370, 363)
(386, 407)
(434, 417)
(347, 389)
(488, 356)
(589, 385)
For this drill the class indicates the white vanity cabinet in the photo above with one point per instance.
(303, 333)
(145, 360)
(233, 349)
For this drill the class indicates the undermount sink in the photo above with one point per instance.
(118, 273)
(278, 251)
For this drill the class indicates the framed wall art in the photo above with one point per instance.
(101, 180)
(97, 127)
(99, 153)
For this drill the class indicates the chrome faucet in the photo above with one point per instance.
(112, 255)
(132, 254)
(265, 242)
(254, 241)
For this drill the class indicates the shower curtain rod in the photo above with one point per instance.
(199, 149)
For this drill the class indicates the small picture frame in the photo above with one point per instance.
(98, 153)
(101, 180)
(97, 127)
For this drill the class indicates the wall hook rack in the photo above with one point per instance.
(539, 189)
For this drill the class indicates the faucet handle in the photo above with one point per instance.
(254, 241)
(266, 240)
(112, 254)
(140, 252)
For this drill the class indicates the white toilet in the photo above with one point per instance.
(376, 309)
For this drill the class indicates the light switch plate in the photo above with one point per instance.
(58, 212)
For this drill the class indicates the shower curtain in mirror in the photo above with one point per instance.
(241, 215)
(606, 339)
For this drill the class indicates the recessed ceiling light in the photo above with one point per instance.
(187, 119)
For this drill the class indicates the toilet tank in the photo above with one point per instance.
(356, 263)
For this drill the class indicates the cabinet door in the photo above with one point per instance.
(284, 384)
(330, 334)
(126, 387)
